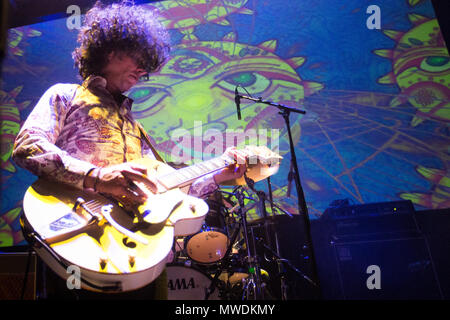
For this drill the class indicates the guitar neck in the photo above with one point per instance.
(185, 176)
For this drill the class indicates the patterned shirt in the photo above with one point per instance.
(74, 128)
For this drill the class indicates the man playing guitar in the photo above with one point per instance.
(85, 135)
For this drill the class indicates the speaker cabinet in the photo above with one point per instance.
(12, 276)
(390, 269)
(389, 257)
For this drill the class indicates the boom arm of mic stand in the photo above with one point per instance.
(260, 100)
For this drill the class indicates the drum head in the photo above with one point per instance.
(236, 276)
(207, 246)
(187, 283)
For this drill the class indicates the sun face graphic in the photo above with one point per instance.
(9, 125)
(198, 83)
(18, 41)
(413, 3)
(420, 68)
(10, 232)
(439, 195)
(185, 15)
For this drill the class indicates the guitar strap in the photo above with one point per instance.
(147, 140)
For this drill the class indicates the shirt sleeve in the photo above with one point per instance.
(203, 187)
(34, 147)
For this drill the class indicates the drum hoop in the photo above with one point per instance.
(195, 268)
(207, 229)
(239, 270)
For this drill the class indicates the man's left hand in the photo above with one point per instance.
(233, 171)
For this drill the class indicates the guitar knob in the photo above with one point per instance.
(103, 263)
(131, 260)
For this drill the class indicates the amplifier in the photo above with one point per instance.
(372, 220)
(397, 256)
(369, 210)
(391, 269)
(13, 267)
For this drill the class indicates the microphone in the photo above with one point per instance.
(237, 100)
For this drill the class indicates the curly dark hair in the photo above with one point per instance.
(120, 27)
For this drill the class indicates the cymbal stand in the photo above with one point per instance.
(281, 271)
(252, 286)
(262, 199)
(227, 257)
(225, 261)
(254, 281)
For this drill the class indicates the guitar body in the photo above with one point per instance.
(108, 259)
(116, 250)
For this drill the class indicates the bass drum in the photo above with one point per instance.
(188, 283)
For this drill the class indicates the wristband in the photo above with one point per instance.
(96, 180)
(88, 174)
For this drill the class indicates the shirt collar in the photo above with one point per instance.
(95, 82)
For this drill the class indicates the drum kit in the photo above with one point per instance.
(232, 257)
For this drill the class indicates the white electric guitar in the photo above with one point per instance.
(116, 250)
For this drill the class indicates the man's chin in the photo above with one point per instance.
(128, 85)
(126, 88)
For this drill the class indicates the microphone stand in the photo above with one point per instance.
(269, 187)
(285, 111)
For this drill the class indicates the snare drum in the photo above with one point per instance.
(187, 283)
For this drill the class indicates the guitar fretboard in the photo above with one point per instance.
(184, 176)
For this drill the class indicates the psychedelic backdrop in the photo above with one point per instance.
(376, 101)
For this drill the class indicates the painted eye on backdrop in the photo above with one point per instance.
(435, 64)
(252, 81)
(146, 97)
(189, 63)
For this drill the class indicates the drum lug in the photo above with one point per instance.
(188, 263)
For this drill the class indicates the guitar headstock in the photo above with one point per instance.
(262, 163)
(261, 154)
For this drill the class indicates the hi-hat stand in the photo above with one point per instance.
(253, 287)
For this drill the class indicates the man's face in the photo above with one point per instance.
(122, 72)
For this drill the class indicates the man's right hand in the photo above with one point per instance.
(117, 181)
